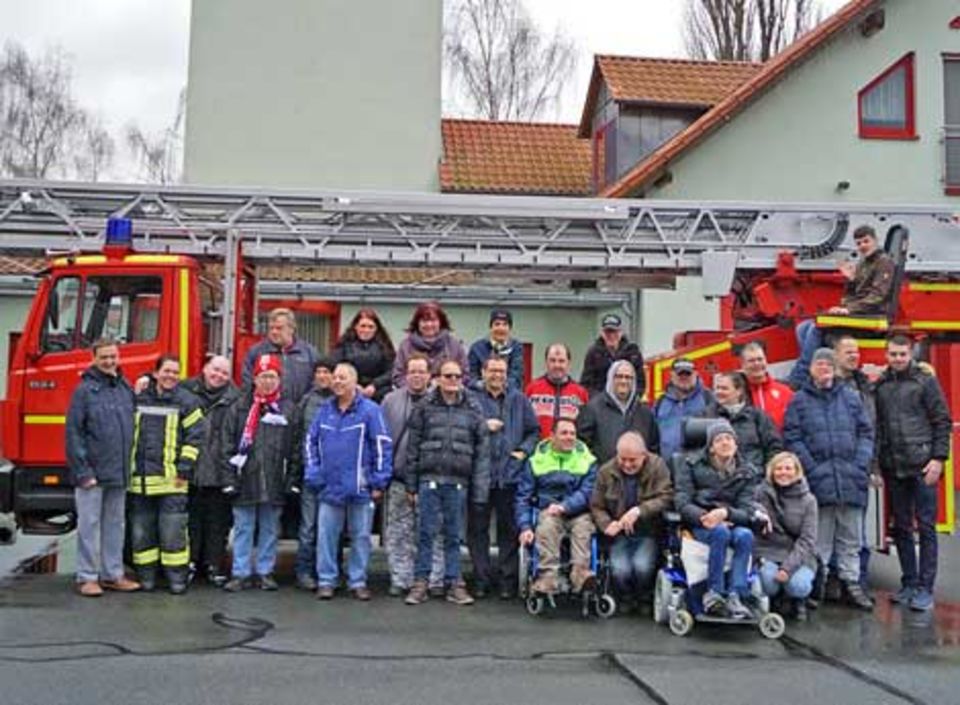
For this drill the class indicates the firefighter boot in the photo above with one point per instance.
(147, 575)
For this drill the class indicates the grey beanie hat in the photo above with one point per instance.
(717, 429)
(824, 354)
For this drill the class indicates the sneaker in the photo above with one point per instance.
(121, 584)
(90, 588)
(714, 604)
(216, 578)
(362, 594)
(324, 592)
(736, 608)
(396, 591)
(507, 594)
(191, 572)
(922, 601)
(903, 596)
(268, 582)
(589, 584)
(481, 590)
(437, 591)
(458, 595)
(237, 584)
(545, 585)
(418, 593)
(306, 582)
(856, 597)
(800, 610)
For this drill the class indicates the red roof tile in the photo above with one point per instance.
(481, 156)
(665, 82)
(768, 76)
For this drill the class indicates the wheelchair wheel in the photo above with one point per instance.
(772, 625)
(606, 606)
(681, 622)
(535, 604)
(662, 591)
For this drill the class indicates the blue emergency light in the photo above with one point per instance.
(119, 232)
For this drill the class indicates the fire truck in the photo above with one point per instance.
(165, 269)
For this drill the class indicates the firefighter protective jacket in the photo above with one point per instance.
(168, 428)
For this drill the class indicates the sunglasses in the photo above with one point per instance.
(451, 375)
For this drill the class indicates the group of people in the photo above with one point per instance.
(447, 438)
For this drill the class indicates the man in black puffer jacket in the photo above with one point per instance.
(913, 431)
(447, 453)
(208, 508)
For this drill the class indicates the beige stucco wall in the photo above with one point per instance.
(799, 140)
(337, 94)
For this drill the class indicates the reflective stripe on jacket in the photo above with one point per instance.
(168, 429)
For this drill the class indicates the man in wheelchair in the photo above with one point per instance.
(714, 493)
(632, 491)
(557, 480)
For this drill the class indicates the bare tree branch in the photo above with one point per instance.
(746, 30)
(501, 64)
(160, 157)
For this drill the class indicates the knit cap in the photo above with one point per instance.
(824, 354)
(719, 428)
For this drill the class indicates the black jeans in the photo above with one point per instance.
(911, 498)
(478, 539)
(210, 521)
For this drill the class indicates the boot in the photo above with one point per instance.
(147, 578)
(856, 597)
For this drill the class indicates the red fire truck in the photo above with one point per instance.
(178, 273)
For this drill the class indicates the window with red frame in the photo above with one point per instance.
(886, 105)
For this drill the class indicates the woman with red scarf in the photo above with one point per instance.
(257, 444)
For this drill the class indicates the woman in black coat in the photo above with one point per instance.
(757, 438)
(367, 346)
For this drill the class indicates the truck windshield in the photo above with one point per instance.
(125, 308)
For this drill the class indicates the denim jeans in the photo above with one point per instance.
(799, 586)
(911, 498)
(633, 562)
(330, 518)
(436, 500)
(809, 338)
(719, 539)
(247, 518)
(100, 531)
(306, 561)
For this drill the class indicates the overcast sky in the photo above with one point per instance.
(129, 57)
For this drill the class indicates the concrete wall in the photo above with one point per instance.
(338, 94)
(800, 139)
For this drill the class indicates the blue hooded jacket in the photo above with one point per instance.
(670, 411)
(349, 453)
(830, 432)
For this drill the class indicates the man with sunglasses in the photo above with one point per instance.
(448, 453)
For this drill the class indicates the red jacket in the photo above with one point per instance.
(772, 397)
(552, 401)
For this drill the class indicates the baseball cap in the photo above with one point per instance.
(682, 364)
(611, 322)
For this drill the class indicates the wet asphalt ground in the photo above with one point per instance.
(211, 647)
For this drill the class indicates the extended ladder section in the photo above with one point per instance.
(496, 234)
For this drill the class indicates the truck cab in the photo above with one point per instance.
(151, 304)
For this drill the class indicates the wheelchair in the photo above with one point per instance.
(682, 580)
(600, 602)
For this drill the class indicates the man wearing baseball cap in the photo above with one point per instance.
(610, 346)
(501, 344)
(685, 396)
